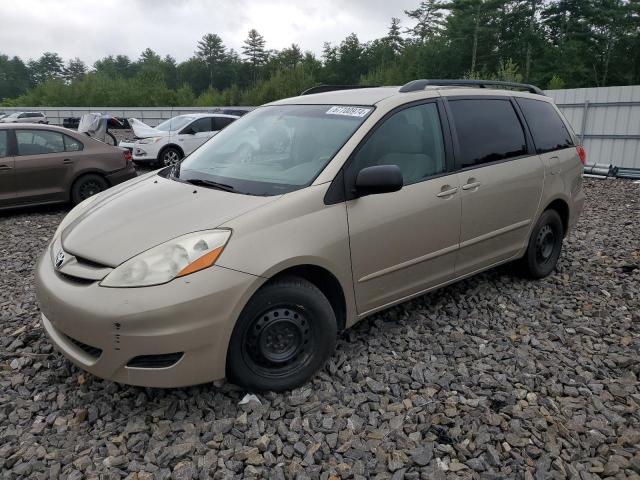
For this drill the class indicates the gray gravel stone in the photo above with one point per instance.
(493, 377)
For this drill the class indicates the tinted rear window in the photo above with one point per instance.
(487, 130)
(548, 130)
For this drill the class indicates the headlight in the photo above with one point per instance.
(145, 141)
(74, 213)
(175, 258)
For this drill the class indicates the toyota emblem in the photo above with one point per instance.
(59, 259)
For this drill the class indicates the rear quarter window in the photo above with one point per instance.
(547, 128)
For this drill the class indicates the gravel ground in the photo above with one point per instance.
(494, 377)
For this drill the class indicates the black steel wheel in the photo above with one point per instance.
(545, 246)
(86, 186)
(285, 333)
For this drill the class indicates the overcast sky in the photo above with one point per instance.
(91, 30)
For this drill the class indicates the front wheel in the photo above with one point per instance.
(545, 245)
(87, 186)
(286, 332)
(170, 156)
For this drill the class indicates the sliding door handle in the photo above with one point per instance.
(5, 167)
(471, 186)
(447, 193)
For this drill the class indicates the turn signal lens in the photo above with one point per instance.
(204, 261)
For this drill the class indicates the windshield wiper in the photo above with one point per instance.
(210, 184)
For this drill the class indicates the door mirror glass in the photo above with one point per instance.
(379, 179)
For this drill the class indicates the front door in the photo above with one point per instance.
(406, 241)
(501, 179)
(195, 134)
(42, 166)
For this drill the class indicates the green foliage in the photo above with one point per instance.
(556, 83)
(551, 43)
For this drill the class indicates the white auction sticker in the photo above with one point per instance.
(348, 111)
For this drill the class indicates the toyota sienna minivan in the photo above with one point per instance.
(300, 219)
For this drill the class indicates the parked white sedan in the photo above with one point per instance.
(175, 138)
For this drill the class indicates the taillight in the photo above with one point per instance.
(127, 156)
(582, 153)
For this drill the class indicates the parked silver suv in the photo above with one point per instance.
(300, 219)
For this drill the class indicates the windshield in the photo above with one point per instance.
(274, 149)
(175, 123)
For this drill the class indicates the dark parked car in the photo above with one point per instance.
(45, 164)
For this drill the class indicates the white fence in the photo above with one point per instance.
(150, 115)
(606, 119)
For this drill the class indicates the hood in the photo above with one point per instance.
(142, 214)
(142, 130)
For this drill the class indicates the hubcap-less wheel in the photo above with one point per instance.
(170, 158)
(278, 342)
(89, 188)
(545, 244)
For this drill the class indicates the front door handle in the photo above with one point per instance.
(5, 167)
(471, 186)
(447, 193)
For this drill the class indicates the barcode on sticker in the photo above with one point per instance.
(348, 111)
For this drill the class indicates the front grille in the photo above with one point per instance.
(155, 361)
(94, 352)
(78, 280)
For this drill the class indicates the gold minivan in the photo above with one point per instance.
(300, 219)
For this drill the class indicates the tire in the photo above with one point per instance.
(86, 186)
(169, 156)
(285, 333)
(545, 246)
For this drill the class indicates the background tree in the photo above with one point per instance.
(429, 20)
(254, 51)
(75, 70)
(212, 52)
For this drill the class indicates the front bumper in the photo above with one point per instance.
(147, 152)
(102, 329)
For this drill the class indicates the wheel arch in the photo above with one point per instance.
(325, 281)
(170, 145)
(561, 206)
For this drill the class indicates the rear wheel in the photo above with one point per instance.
(87, 186)
(545, 245)
(170, 156)
(285, 334)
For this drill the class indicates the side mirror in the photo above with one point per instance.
(189, 131)
(379, 179)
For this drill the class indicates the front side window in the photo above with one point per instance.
(39, 142)
(547, 128)
(488, 130)
(411, 139)
(200, 125)
(274, 149)
(175, 123)
(4, 144)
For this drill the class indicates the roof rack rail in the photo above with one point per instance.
(332, 88)
(417, 85)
